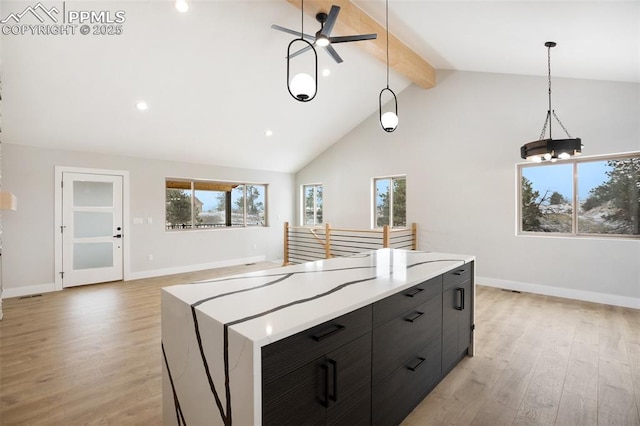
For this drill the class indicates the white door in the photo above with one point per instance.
(92, 234)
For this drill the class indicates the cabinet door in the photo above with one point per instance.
(349, 385)
(333, 389)
(464, 319)
(294, 399)
(456, 324)
(449, 329)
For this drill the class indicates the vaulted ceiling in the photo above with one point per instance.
(214, 78)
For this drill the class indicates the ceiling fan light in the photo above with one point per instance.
(302, 86)
(322, 40)
(389, 121)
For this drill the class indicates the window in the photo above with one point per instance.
(312, 205)
(390, 204)
(589, 196)
(208, 204)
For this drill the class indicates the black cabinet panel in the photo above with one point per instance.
(387, 308)
(399, 393)
(333, 389)
(294, 399)
(350, 393)
(398, 339)
(456, 324)
(286, 355)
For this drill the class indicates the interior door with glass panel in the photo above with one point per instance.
(92, 234)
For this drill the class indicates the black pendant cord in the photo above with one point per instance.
(549, 46)
(387, 26)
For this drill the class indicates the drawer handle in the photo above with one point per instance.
(417, 365)
(334, 329)
(414, 317)
(413, 292)
(460, 272)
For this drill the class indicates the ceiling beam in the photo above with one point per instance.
(352, 20)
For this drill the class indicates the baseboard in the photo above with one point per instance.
(567, 293)
(29, 290)
(193, 268)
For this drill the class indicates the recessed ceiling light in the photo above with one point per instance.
(181, 6)
(326, 72)
(142, 106)
(268, 132)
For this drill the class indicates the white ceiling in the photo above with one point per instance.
(215, 77)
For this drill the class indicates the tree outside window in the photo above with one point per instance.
(208, 204)
(390, 201)
(582, 197)
(312, 204)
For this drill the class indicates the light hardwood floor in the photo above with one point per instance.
(91, 355)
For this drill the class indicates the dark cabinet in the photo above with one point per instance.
(456, 316)
(373, 365)
(406, 359)
(331, 387)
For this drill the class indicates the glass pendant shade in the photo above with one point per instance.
(389, 121)
(302, 86)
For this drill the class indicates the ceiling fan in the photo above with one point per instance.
(323, 37)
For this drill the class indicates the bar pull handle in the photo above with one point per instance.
(325, 375)
(414, 316)
(460, 299)
(460, 272)
(333, 329)
(413, 292)
(334, 364)
(417, 365)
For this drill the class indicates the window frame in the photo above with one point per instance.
(575, 161)
(303, 216)
(374, 215)
(216, 185)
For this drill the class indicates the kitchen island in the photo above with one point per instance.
(354, 340)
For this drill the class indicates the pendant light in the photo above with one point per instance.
(389, 119)
(551, 149)
(302, 86)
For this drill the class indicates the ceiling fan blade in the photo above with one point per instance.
(300, 52)
(345, 39)
(292, 32)
(332, 52)
(331, 21)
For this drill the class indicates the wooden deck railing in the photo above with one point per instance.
(307, 244)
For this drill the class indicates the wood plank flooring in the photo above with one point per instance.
(91, 356)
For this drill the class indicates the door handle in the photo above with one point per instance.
(325, 374)
(334, 364)
(460, 306)
(117, 236)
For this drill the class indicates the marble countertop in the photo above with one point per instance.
(267, 306)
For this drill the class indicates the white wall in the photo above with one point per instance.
(28, 237)
(459, 144)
